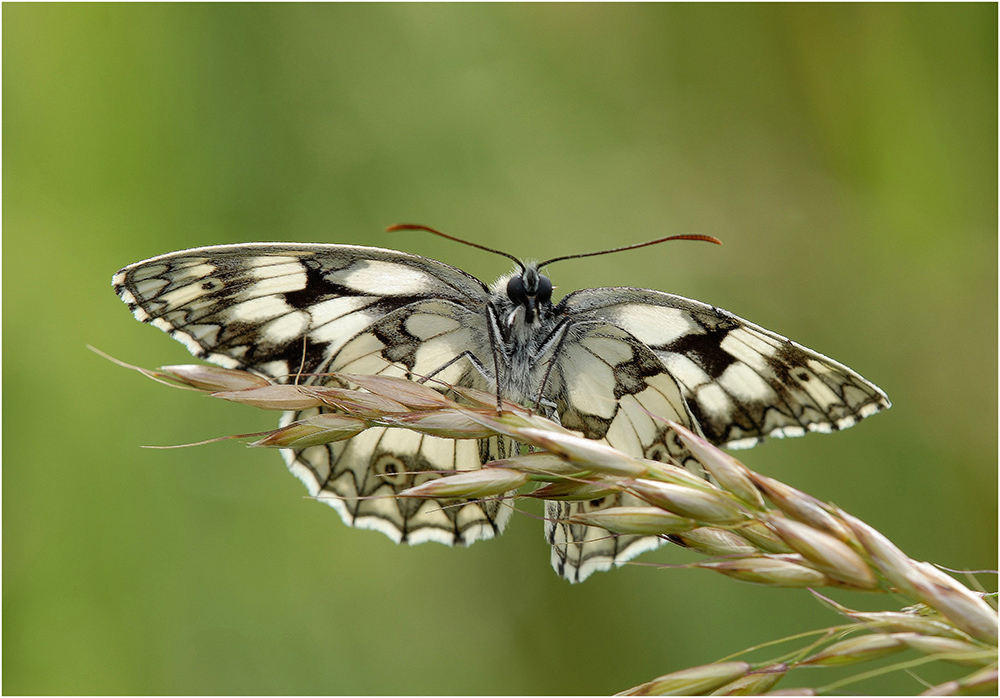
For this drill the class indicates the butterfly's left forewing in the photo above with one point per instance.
(277, 308)
(287, 311)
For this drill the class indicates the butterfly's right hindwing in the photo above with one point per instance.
(635, 356)
(609, 386)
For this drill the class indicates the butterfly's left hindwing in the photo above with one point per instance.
(361, 477)
(285, 310)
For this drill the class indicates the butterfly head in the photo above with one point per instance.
(531, 291)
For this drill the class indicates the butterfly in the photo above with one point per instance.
(610, 363)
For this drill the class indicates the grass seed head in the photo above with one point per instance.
(474, 483)
(272, 397)
(755, 683)
(644, 521)
(892, 562)
(355, 401)
(731, 475)
(833, 557)
(978, 683)
(214, 378)
(958, 604)
(768, 571)
(982, 682)
(588, 453)
(957, 651)
(574, 490)
(668, 472)
(717, 541)
(541, 466)
(400, 390)
(763, 537)
(801, 507)
(314, 431)
(702, 505)
(856, 649)
(899, 622)
(445, 423)
(697, 680)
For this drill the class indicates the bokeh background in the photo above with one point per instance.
(847, 156)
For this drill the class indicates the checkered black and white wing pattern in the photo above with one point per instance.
(282, 310)
(636, 353)
(741, 382)
(611, 387)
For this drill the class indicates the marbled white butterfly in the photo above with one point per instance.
(601, 361)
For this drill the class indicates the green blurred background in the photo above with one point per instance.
(846, 154)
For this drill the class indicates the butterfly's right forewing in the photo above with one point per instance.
(640, 356)
(742, 382)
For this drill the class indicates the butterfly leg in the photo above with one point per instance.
(495, 338)
(555, 355)
(464, 355)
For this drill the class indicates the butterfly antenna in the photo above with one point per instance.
(703, 238)
(412, 226)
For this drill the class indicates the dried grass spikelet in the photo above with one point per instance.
(755, 528)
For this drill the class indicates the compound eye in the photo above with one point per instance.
(515, 290)
(544, 294)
